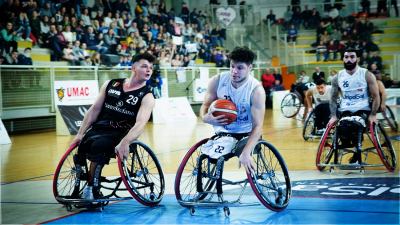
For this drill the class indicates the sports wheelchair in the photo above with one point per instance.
(293, 101)
(200, 179)
(388, 119)
(140, 173)
(309, 128)
(336, 149)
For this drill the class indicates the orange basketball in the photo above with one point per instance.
(224, 107)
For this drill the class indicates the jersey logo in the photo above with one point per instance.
(120, 104)
(346, 83)
(114, 93)
(115, 84)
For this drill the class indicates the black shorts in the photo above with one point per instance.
(98, 145)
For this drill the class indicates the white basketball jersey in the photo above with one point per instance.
(242, 98)
(354, 89)
(318, 98)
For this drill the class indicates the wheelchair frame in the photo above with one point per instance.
(330, 155)
(134, 174)
(211, 173)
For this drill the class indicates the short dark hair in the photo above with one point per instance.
(242, 54)
(320, 81)
(147, 56)
(353, 50)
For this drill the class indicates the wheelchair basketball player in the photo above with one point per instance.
(117, 117)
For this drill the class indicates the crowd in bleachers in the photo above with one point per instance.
(79, 34)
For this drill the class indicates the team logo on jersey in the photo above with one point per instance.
(141, 94)
(114, 93)
(120, 104)
(60, 93)
(346, 83)
(116, 84)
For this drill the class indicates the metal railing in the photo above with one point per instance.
(28, 91)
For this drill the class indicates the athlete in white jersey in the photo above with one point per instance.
(321, 94)
(356, 86)
(248, 95)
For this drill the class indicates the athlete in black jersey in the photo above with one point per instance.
(117, 117)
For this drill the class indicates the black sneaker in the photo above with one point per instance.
(355, 158)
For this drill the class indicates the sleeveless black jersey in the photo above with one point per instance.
(120, 108)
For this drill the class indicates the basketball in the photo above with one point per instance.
(224, 107)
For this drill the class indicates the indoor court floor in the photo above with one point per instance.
(341, 197)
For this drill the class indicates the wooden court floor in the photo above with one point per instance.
(34, 156)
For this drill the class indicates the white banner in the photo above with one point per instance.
(75, 92)
(173, 110)
(177, 40)
(199, 89)
(4, 138)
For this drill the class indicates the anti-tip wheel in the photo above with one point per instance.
(192, 211)
(332, 169)
(68, 207)
(227, 212)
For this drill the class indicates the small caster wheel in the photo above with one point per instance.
(362, 170)
(331, 170)
(68, 207)
(192, 211)
(227, 212)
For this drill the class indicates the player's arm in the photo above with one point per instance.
(211, 95)
(334, 99)
(383, 95)
(142, 118)
(374, 92)
(257, 113)
(308, 99)
(92, 114)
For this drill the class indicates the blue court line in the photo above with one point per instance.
(299, 211)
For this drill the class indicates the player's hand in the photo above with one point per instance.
(372, 119)
(332, 121)
(122, 149)
(215, 120)
(77, 139)
(247, 162)
(383, 108)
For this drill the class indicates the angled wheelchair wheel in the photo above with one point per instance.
(69, 180)
(290, 105)
(309, 130)
(142, 174)
(390, 119)
(383, 146)
(326, 148)
(186, 176)
(270, 181)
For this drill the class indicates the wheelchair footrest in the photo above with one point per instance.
(89, 201)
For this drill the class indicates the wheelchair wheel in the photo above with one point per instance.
(142, 174)
(66, 175)
(383, 146)
(390, 119)
(325, 148)
(186, 176)
(290, 105)
(309, 128)
(270, 181)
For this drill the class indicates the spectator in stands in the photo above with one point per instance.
(366, 4)
(394, 4)
(271, 18)
(306, 16)
(377, 60)
(35, 25)
(8, 39)
(318, 74)
(68, 54)
(321, 49)
(268, 81)
(69, 36)
(216, 37)
(277, 86)
(332, 49)
(47, 10)
(96, 59)
(292, 34)
(381, 8)
(278, 76)
(315, 19)
(93, 42)
(25, 58)
(242, 11)
(23, 27)
(365, 60)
